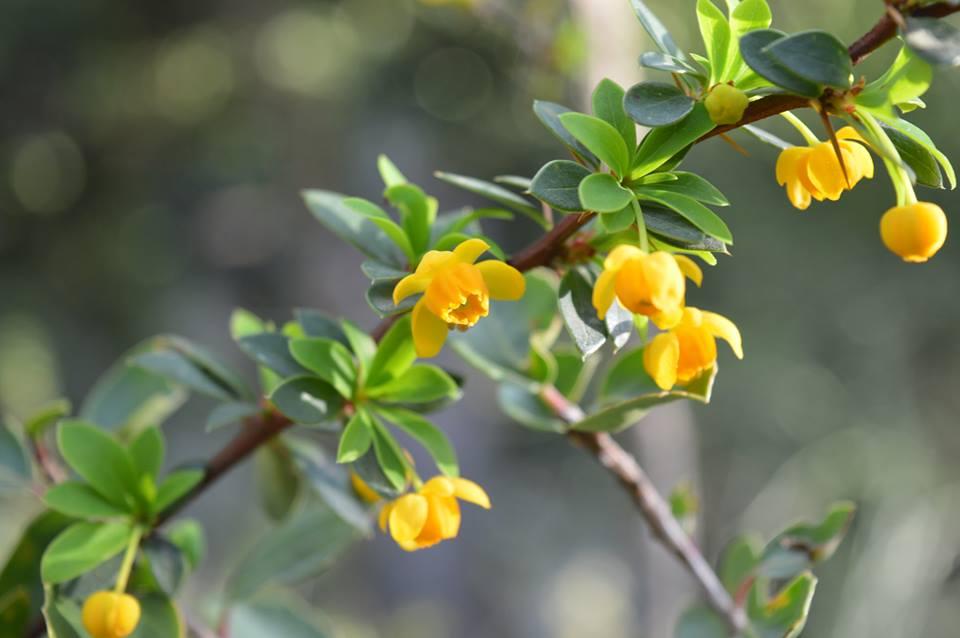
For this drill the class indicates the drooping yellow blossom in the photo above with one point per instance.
(814, 171)
(432, 513)
(108, 614)
(726, 103)
(650, 284)
(456, 292)
(689, 348)
(915, 231)
(361, 489)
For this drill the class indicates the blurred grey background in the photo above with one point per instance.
(151, 156)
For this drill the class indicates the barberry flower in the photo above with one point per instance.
(690, 348)
(650, 284)
(456, 292)
(362, 489)
(432, 513)
(914, 231)
(108, 614)
(814, 172)
(726, 103)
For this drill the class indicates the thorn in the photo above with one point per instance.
(836, 146)
(729, 140)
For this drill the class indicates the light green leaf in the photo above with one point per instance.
(81, 547)
(276, 616)
(496, 193)
(602, 193)
(307, 400)
(329, 360)
(549, 114)
(381, 220)
(738, 562)
(100, 460)
(785, 615)
(422, 383)
(244, 323)
(602, 139)
(715, 31)
(618, 221)
(663, 143)
(608, 106)
(395, 354)
(693, 186)
(147, 451)
(159, 618)
(316, 323)
(362, 344)
(356, 438)
(692, 210)
(433, 440)
(79, 500)
(907, 78)
(175, 486)
(417, 212)
(187, 534)
(38, 422)
(389, 173)
(389, 455)
(352, 228)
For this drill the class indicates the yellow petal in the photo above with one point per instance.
(429, 331)
(470, 492)
(823, 169)
(364, 491)
(660, 359)
(788, 163)
(690, 269)
(620, 254)
(410, 285)
(798, 195)
(720, 326)
(668, 318)
(433, 261)
(860, 158)
(850, 133)
(384, 517)
(604, 291)
(447, 512)
(438, 486)
(503, 280)
(468, 251)
(407, 517)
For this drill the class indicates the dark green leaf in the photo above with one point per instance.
(694, 186)
(694, 212)
(602, 193)
(549, 114)
(14, 613)
(273, 351)
(496, 193)
(753, 48)
(307, 400)
(608, 106)
(918, 158)
(368, 468)
(657, 103)
(278, 482)
(332, 484)
(801, 546)
(556, 184)
(815, 56)
(677, 231)
(22, 569)
(15, 464)
(664, 142)
(159, 618)
(316, 323)
(81, 547)
(575, 298)
(626, 379)
(329, 360)
(168, 564)
(658, 33)
(668, 63)
(936, 41)
(230, 413)
(602, 139)
(380, 297)
(382, 221)
(352, 227)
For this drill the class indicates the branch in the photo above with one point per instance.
(654, 509)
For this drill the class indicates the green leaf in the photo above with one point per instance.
(657, 32)
(368, 468)
(381, 220)
(623, 414)
(738, 562)
(664, 142)
(417, 212)
(332, 484)
(601, 192)
(389, 455)
(750, 15)
(81, 547)
(465, 221)
(496, 193)
(230, 413)
(917, 134)
(380, 298)
(921, 162)
(715, 31)
(307, 400)
(79, 500)
(626, 379)
(356, 438)
(422, 383)
(753, 48)
(159, 618)
(22, 569)
(147, 451)
(693, 186)
(272, 350)
(557, 185)
(694, 212)
(61, 616)
(815, 56)
(15, 464)
(395, 354)
(362, 344)
(276, 616)
(389, 173)
(352, 228)
(657, 104)
(677, 231)
(589, 332)
(175, 486)
(278, 482)
(244, 323)
(51, 412)
(168, 564)
(527, 408)
(801, 546)
(619, 220)
(100, 460)
(602, 139)
(187, 534)
(608, 106)
(329, 360)
(701, 622)
(14, 613)
(786, 613)
(549, 114)
(433, 440)
(316, 323)
(907, 78)
(936, 41)
(668, 63)
(178, 368)
(128, 398)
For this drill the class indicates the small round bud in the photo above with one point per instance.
(726, 104)
(915, 232)
(107, 614)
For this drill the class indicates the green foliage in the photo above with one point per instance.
(557, 185)
(602, 193)
(936, 41)
(657, 103)
(276, 614)
(81, 547)
(549, 115)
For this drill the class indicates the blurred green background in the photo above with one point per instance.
(151, 156)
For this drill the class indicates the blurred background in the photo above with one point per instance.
(151, 158)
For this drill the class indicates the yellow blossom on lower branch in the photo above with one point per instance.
(108, 614)
(914, 231)
(650, 284)
(689, 349)
(432, 513)
(815, 172)
(456, 292)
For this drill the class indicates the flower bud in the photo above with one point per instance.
(915, 232)
(726, 104)
(107, 614)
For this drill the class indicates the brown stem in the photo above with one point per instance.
(654, 509)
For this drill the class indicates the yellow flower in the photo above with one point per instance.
(650, 284)
(915, 231)
(432, 514)
(726, 104)
(689, 348)
(364, 491)
(814, 171)
(108, 614)
(456, 292)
